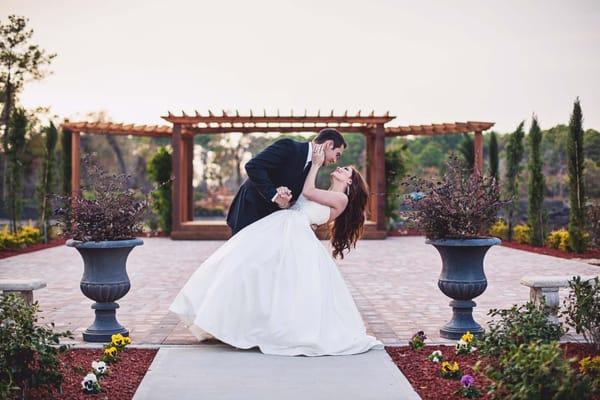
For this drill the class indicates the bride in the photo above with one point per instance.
(274, 285)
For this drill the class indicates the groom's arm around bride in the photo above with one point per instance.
(266, 189)
(258, 170)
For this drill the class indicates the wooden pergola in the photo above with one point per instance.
(184, 127)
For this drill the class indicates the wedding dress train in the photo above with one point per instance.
(274, 285)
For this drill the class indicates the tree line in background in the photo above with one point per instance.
(541, 171)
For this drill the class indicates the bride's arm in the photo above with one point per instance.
(328, 198)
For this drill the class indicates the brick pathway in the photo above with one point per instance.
(394, 283)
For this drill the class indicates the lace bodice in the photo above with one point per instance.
(316, 213)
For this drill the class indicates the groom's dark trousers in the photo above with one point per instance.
(280, 164)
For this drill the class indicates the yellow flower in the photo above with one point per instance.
(449, 370)
(118, 339)
(110, 351)
(450, 367)
(127, 340)
(467, 337)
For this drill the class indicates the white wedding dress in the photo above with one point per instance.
(274, 285)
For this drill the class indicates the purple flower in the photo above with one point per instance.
(467, 381)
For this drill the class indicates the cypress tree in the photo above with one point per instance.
(467, 150)
(14, 148)
(395, 169)
(514, 155)
(494, 156)
(47, 179)
(575, 161)
(537, 185)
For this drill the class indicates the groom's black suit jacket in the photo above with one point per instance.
(280, 164)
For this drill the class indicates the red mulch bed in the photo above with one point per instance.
(123, 380)
(591, 253)
(34, 247)
(424, 376)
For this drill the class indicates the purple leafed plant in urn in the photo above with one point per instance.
(102, 225)
(456, 213)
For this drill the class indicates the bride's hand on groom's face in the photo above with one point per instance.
(318, 155)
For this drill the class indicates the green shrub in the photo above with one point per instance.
(536, 370)
(517, 325)
(522, 234)
(28, 352)
(582, 308)
(159, 169)
(593, 220)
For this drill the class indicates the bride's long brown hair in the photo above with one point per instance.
(348, 226)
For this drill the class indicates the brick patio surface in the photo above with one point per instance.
(393, 281)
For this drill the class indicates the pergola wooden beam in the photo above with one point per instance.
(445, 129)
(280, 129)
(438, 129)
(185, 119)
(117, 128)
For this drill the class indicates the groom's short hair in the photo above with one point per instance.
(331, 134)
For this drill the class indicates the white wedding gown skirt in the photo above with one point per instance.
(274, 285)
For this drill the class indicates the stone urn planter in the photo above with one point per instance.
(105, 281)
(462, 279)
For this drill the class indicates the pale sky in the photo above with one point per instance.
(424, 61)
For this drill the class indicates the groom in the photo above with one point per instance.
(276, 177)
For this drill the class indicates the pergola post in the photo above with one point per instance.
(370, 173)
(184, 179)
(379, 164)
(177, 187)
(189, 159)
(478, 150)
(75, 163)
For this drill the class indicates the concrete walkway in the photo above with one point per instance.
(220, 372)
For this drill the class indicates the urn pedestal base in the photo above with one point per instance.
(105, 324)
(462, 321)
